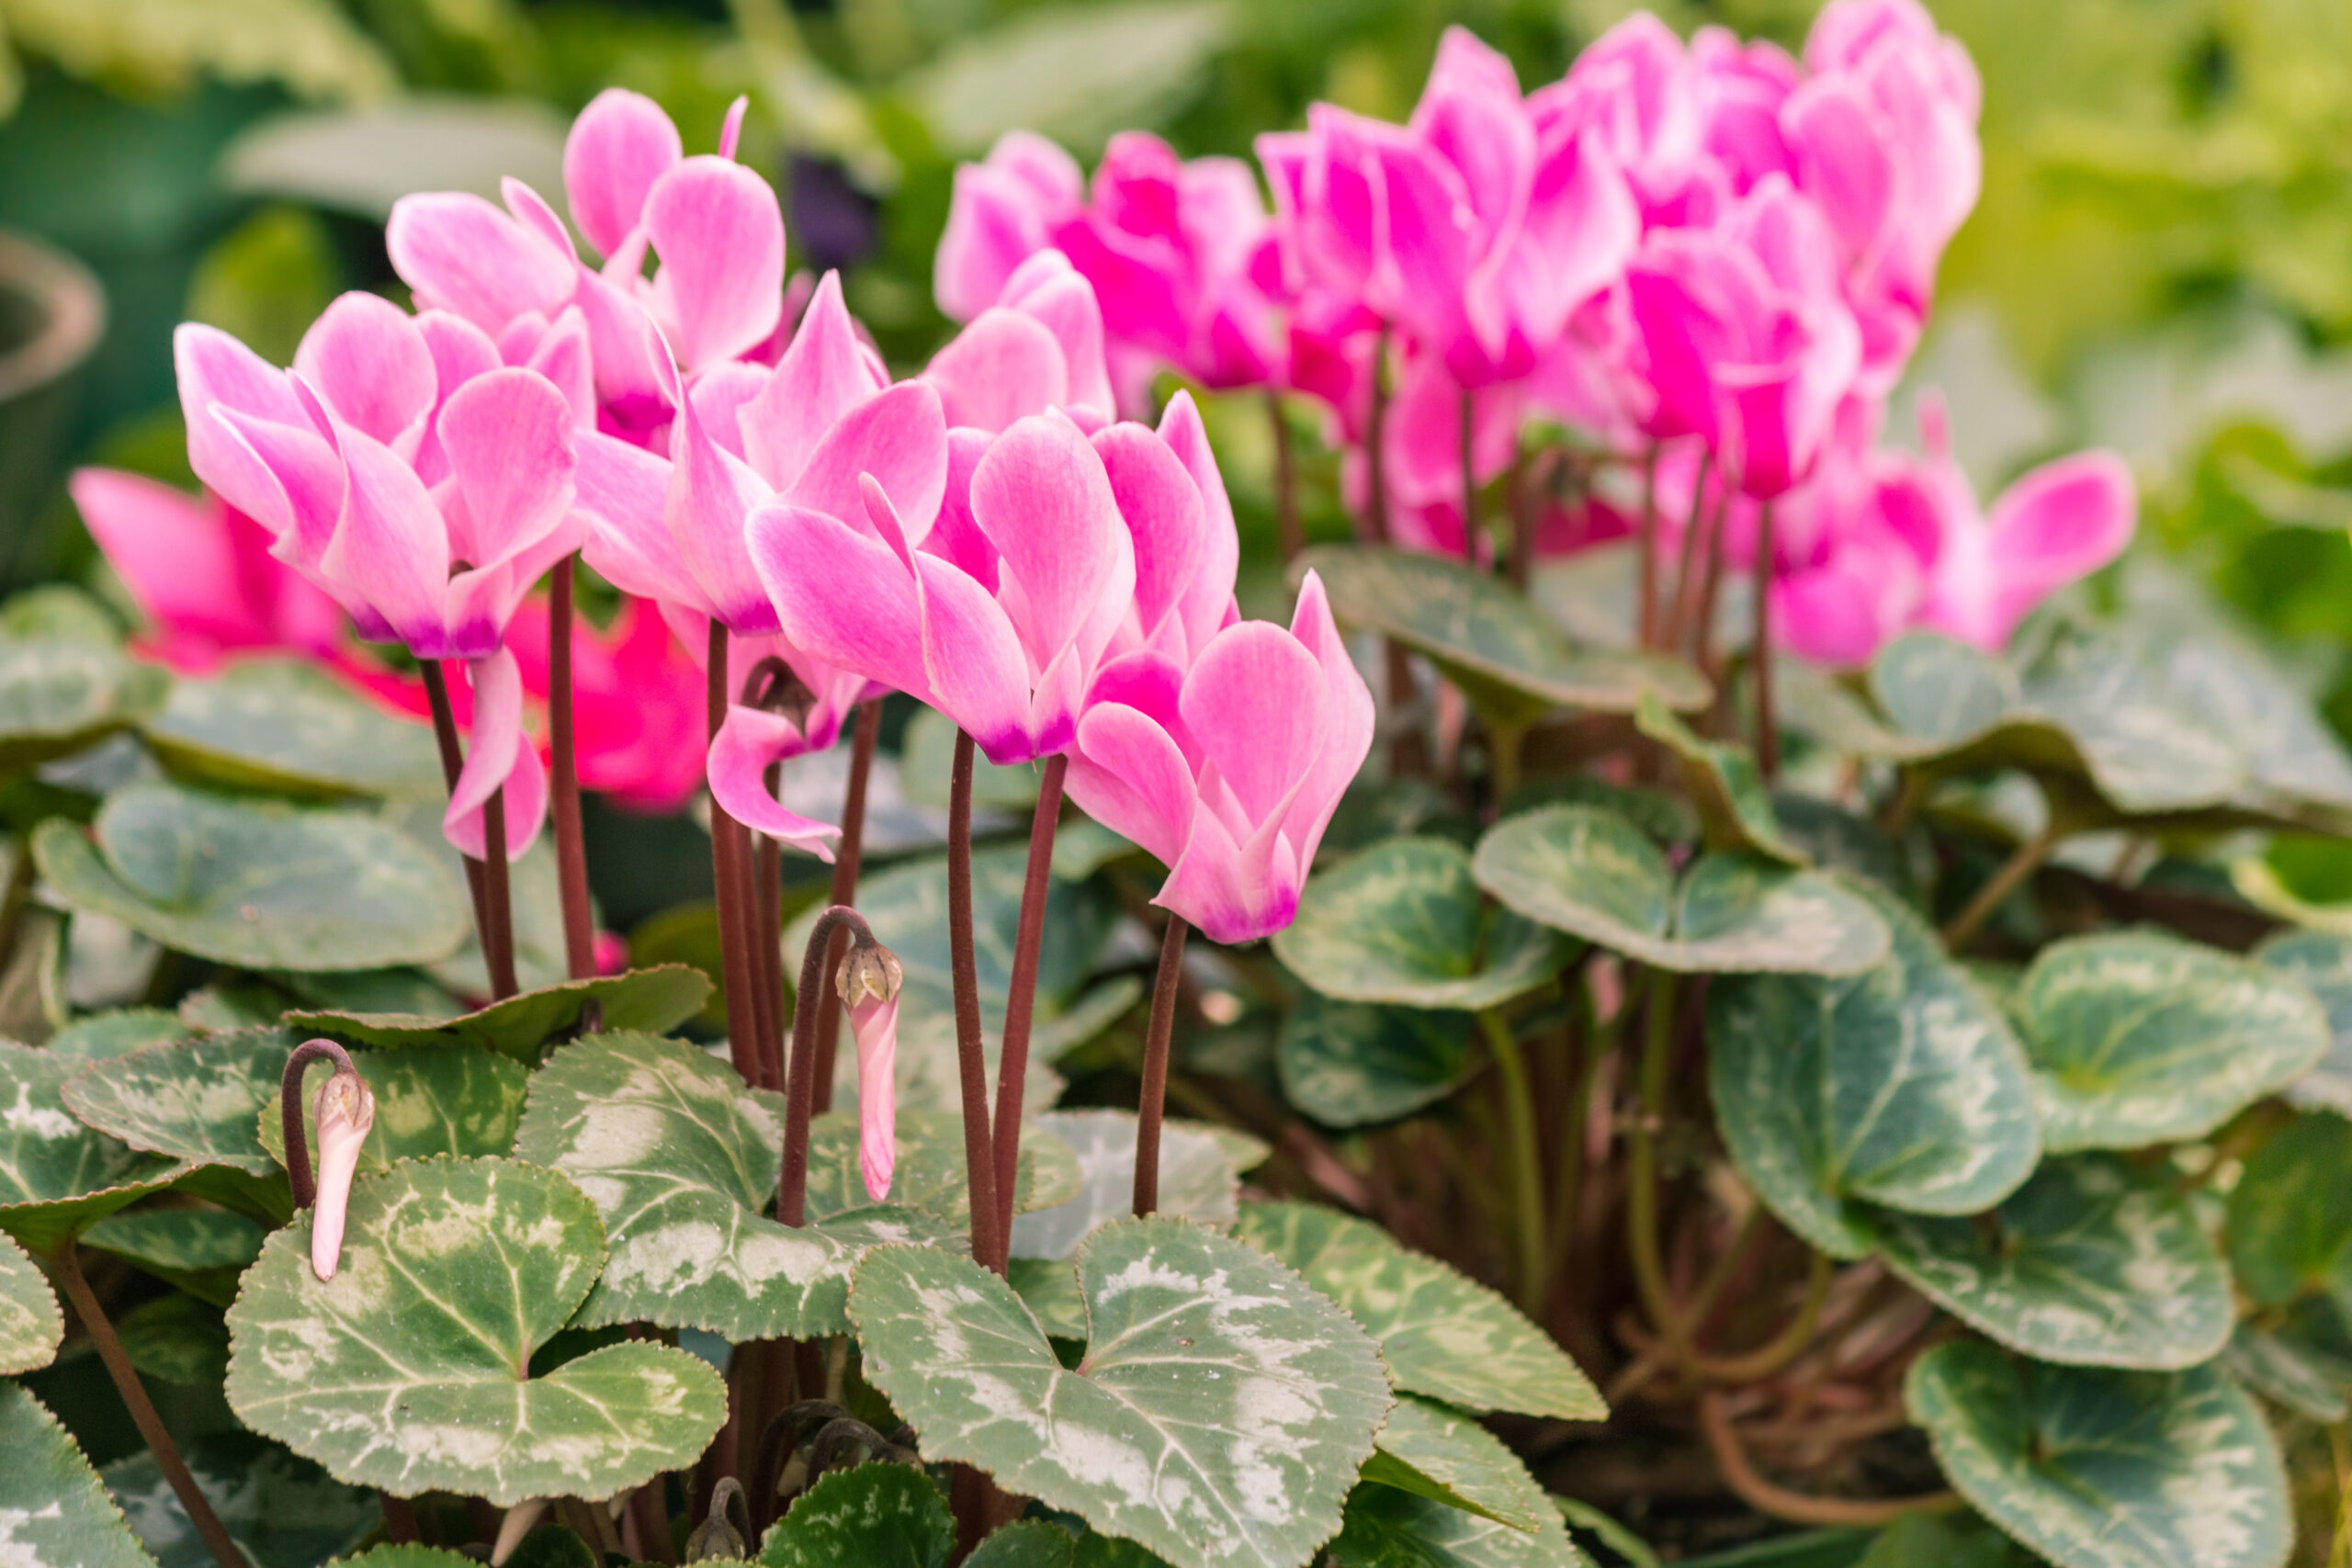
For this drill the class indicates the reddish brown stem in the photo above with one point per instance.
(767, 922)
(1798, 1507)
(497, 897)
(453, 762)
(563, 789)
(726, 870)
(979, 1164)
(844, 890)
(1148, 1107)
(1013, 1058)
(1768, 734)
(299, 1177)
(792, 1188)
(1646, 610)
(1469, 477)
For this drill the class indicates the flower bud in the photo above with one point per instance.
(868, 981)
(345, 1111)
(868, 970)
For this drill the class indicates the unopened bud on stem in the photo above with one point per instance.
(344, 1111)
(868, 980)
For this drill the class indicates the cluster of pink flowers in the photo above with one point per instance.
(1712, 256)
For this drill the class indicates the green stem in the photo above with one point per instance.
(2021, 865)
(1509, 743)
(1525, 1158)
(1287, 531)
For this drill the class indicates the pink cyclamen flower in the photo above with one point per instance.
(869, 982)
(1039, 346)
(1228, 771)
(1006, 208)
(637, 702)
(343, 1112)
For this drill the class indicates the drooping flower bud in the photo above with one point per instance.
(346, 1110)
(868, 981)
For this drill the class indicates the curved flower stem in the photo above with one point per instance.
(68, 1269)
(1755, 1365)
(734, 957)
(1469, 478)
(2024, 863)
(1641, 1199)
(453, 762)
(1013, 1060)
(497, 896)
(1526, 1161)
(1768, 732)
(1699, 534)
(1646, 607)
(980, 1162)
(799, 1097)
(563, 787)
(846, 861)
(300, 1176)
(1152, 1102)
(1797, 1507)
(1287, 531)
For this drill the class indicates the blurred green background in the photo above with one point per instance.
(2161, 260)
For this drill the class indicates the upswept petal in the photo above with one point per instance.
(564, 356)
(1042, 497)
(897, 438)
(623, 489)
(621, 144)
(172, 551)
(803, 557)
(295, 481)
(1206, 606)
(215, 371)
(1005, 365)
(390, 550)
(1164, 516)
(498, 755)
(973, 660)
(720, 395)
(710, 494)
(463, 254)
(1348, 723)
(366, 359)
(1233, 891)
(1256, 700)
(955, 538)
(1128, 774)
(720, 233)
(1048, 288)
(747, 743)
(823, 374)
(508, 436)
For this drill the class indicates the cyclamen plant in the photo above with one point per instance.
(1938, 1078)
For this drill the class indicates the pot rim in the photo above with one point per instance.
(73, 307)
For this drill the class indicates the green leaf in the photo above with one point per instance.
(1221, 1410)
(2323, 961)
(885, 1515)
(1589, 1526)
(2287, 1365)
(53, 1511)
(1939, 690)
(60, 694)
(177, 1338)
(114, 1033)
(1386, 1528)
(1589, 872)
(1200, 1178)
(926, 757)
(929, 1171)
(1353, 1063)
(1443, 1332)
(429, 1100)
(410, 1556)
(57, 1176)
(2088, 1264)
(1721, 777)
(1443, 1455)
(193, 1100)
(2096, 1468)
(1903, 1087)
(1049, 1287)
(30, 1325)
(408, 1371)
(681, 1158)
(653, 1000)
(1944, 1540)
(533, 889)
(2290, 1213)
(1512, 663)
(202, 1251)
(2139, 1038)
(289, 727)
(1403, 922)
(1839, 840)
(1028, 1543)
(257, 884)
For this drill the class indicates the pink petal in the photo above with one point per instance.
(1127, 774)
(621, 144)
(1002, 367)
(1206, 605)
(498, 755)
(747, 743)
(1042, 497)
(972, 657)
(1002, 210)
(460, 253)
(1047, 288)
(1162, 510)
(509, 440)
(803, 557)
(730, 127)
(823, 374)
(344, 1111)
(215, 371)
(876, 1026)
(1255, 701)
(899, 439)
(565, 357)
(1232, 892)
(2055, 526)
(710, 492)
(1347, 737)
(720, 395)
(623, 490)
(299, 485)
(720, 233)
(391, 549)
(374, 367)
(955, 538)
(172, 551)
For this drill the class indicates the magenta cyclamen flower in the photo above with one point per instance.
(344, 1111)
(1228, 771)
(1039, 346)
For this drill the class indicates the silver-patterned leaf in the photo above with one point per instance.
(1724, 784)
(30, 1324)
(2088, 1264)
(1435, 1452)
(177, 1338)
(287, 727)
(409, 1371)
(1026, 1543)
(1588, 872)
(1443, 1334)
(1220, 1412)
(681, 1159)
(2098, 1468)
(202, 1251)
(285, 1511)
(58, 1176)
(874, 1515)
(1903, 1087)
(655, 1001)
(193, 1100)
(929, 1173)
(1386, 1528)
(1200, 1178)
(54, 1513)
(1403, 922)
(1944, 1540)
(258, 885)
(2140, 1038)
(58, 695)
(2301, 1362)
(1354, 1064)
(114, 1033)
(2290, 1213)
(430, 1099)
(2323, 961)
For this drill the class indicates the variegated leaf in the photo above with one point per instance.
(53, 1511)
(1944, 1541)
(62, 693)
(409, 1371)
(2139, 1038)
(430, 1099)
(193, 1100)
(2302, 1361)
(1903, 1087)
(1588, 872)
(1403, 922)
(1443, 1332)
(1386, 1528)
(655, 1001)
(2097, 1468)
(200, 1250)
(1220, 1412)
(117, 1033)
(1200, 1177)
(1026, 1543)
(1441, 1454)
(2290, 1213)
(1353, 1064)
(58, 1176)
(874, 1515)
(929, 1174)
(285, 1511)
(30, 1324)
(2089, 1264)
(2321, 961)
(1735, 807)
(286, 727)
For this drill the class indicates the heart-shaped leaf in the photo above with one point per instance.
(1509, 661)
(1026, 1544)
(114, 1033)
(1219, 1415)
(1200, 1178)
(1591, 873)
(193, 1100)
(53, 1510)
(177, 1339)
(1721, 777)
(430, 1101)
(30, 1325)
(1048, 1288)
(1443, 1455)
(410, 1370)
(57, 1176)
(2097, 1468)
(1403, 922)
(1903, 1087)
(289, 727)
(2290, 1213)
(1443, 1332)
(2323, 961)
(1836, 839)
(682, 1160)
(1944, 1540)
(1387, 1527)
(2088, 1263)
(255, 884)
(875, 1516)
(2303, 1361)
(285, 1511)
(202, 1251)
(653, 1000)
(58, 695)
(929, 1173)
(1353, 1063)
(2139, 1038)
